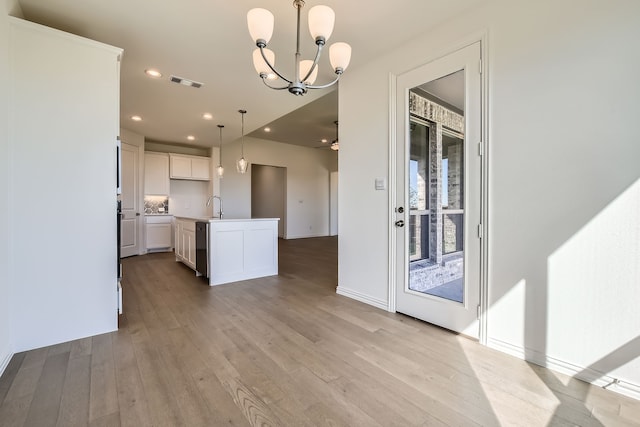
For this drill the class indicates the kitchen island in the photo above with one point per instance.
(236, 249)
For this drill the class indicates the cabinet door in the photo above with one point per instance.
(156, 174)
(200, 168)
(191, 251)
(179, 249)
(180, 167)
(158, 236)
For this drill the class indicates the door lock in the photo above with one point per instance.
(400, 223)
(400, 209)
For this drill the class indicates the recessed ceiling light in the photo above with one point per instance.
(207, 116)
(324, 141)
(136, 118)
(267, 129)
(153, 73)
(191, 137)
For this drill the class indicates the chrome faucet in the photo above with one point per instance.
(220, 211)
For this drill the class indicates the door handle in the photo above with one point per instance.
(400, 223)
(137, 213)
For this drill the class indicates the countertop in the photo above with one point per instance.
(158, 214)
(216, 219)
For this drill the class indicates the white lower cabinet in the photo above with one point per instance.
(158, 232)
(185, 237)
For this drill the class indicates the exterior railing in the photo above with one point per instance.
(452, 233)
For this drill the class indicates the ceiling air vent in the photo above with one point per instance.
(185, 82)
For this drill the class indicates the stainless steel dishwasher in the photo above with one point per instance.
(202, 248)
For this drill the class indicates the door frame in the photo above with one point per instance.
(480, 37)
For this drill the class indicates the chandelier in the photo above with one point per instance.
(321, 20)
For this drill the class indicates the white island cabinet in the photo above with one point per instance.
(242, 249)
(185, 241)
(237, 249)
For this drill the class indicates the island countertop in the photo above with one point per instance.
(216, 219)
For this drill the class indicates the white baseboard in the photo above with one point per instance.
(350, 293)
(304, 236)
(581, 373)
(5, 362)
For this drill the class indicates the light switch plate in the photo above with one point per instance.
(381, 184)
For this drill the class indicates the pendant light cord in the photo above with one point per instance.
(242, 113)
(220, 126)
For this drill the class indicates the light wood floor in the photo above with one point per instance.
(284, 351)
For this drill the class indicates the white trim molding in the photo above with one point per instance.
(5, 362)
(585, 374)
(391, 229)
(358, 296)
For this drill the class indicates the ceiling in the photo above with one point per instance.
(208, 41)
(449, 88)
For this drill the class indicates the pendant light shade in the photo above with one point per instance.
(321, 19)
(340, 55)
(305, 66)
(260, 23)
(219, 168)
(261, 66)
(242, 164)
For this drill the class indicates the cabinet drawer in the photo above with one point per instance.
(158, 219)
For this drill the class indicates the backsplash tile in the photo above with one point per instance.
(156, 205)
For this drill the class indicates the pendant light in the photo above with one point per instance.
(220, 169)
(242, 164)
(335, 145)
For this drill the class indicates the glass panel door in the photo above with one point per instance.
(438, 176)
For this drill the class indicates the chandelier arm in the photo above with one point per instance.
(315, 63)
(271, 66)
(326, 85)
(264, 80)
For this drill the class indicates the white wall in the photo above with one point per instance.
(189, 198)
(333, 203)
(564, 178)
(6, 339)
(308, 169)
(63, 125)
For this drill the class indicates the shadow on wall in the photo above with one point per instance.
(594, 270)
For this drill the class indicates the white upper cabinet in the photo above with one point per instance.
(156, 174)
(190, 167)
(200, 168)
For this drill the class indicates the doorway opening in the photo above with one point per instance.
(269, 194)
